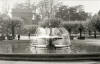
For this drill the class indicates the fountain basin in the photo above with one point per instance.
(57, 42)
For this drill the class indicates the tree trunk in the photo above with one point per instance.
(69, 30)
(80, 33)
(13, 32)
(89, 33)
(95, 35)
(84, 33)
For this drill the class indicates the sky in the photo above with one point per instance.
(91, 6)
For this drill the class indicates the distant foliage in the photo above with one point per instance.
(7, 25)
(30, 29)
(72, 13)
(51, 22)
(74, 27)
(95, 22)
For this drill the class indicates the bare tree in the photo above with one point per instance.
(47, 8)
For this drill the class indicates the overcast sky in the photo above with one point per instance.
(91, 6)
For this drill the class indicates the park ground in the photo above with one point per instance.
(78, 47)
(22, 46)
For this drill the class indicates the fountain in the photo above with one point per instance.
(57, 41)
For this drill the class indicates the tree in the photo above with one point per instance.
(30, 29)
(12, 26)
(95, 24)
(51, 22)
(81, 28)
(16, 25)
(44, 8)
(75, 27)
(72, 13)
(4, 18)
(47, 8)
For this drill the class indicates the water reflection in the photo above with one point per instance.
(43, 43)
(24, 47)
(14, 46)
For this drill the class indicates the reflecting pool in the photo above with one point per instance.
(44, 43)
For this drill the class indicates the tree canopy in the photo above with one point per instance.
(51, 22)
(72, 13)
(95, 22)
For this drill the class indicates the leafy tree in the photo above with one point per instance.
(51, 22)
(30, 29)
(71, 13)
(94, 24)
(75, 27)
(12, 26)
(3, 19)
(81, 28)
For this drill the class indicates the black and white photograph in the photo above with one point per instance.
(49, 31)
